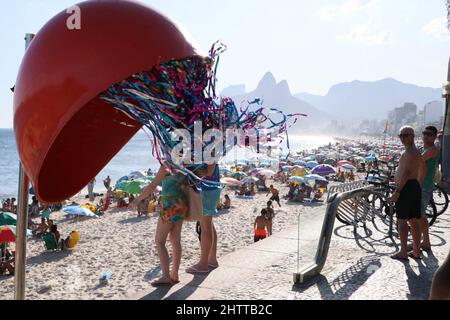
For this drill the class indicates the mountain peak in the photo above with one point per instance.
(267, 81)
(283, 88)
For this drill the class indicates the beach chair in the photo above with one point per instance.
(50, 242)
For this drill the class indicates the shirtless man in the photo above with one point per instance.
(275, 195)
(407, 196)
(260, 226)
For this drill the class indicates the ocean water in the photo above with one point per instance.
(135, 156)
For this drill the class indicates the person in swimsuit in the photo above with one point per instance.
(270, 215)
(175, 206)
(210, 192)
(430, 155)
(407, 196)
(275, 195)
(260, 226)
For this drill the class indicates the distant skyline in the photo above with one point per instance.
(311, 44)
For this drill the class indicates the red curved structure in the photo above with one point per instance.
(65, 134)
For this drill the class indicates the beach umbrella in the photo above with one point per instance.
(267, 173)
(299, 172)
(315, 177)
(255, 171)
(371, 159)
(312, 164)
(249, 180)
(297, 180)
(349, 167)
(287, 168)
(230, 181)
(79, 211)
(8, 234)
(225, 171)
(323, 170)
(342, 163)
(239, 175)
(300, 163)
(331, 162)
(125, 178)
(8, 219)
(136, 175)
(131, 187)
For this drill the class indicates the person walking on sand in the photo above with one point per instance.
(210, 192)
(407, 196)
(175, 206)
(107, 182)
(275, 195)
(430, 156)
(91, 190)
(270, 215)
(260, 226)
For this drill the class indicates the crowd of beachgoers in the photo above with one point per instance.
(118, 230)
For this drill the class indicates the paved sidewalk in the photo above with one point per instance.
(358, 268)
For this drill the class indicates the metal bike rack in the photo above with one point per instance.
(341, 197)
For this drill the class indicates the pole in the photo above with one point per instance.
(446, 139)
(22, 223)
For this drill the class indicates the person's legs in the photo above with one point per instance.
(416, 235)
(175, 239)
(427, 195)
(205, 243)
(162, 231)
(403, 232)
(212, 259)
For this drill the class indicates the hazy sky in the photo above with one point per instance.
(312, 44)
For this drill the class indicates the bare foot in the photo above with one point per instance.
(400, 256)
(197, 269)
(162, 282)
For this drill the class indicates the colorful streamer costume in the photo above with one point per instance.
(177, 94)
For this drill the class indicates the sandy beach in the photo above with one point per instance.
(123, 244)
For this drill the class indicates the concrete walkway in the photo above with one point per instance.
(358, 267)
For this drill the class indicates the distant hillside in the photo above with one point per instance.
(278, 95)
(364, 100)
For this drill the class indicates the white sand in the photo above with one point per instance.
(123, 244)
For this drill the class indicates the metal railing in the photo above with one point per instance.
(350, 199)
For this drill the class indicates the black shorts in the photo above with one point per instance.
(275, 198)
(409, 203)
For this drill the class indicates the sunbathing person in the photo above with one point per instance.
(6, 260)
(242, 190)
(54, 231)
(142, 208)
(299, 196)
(41, 228)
